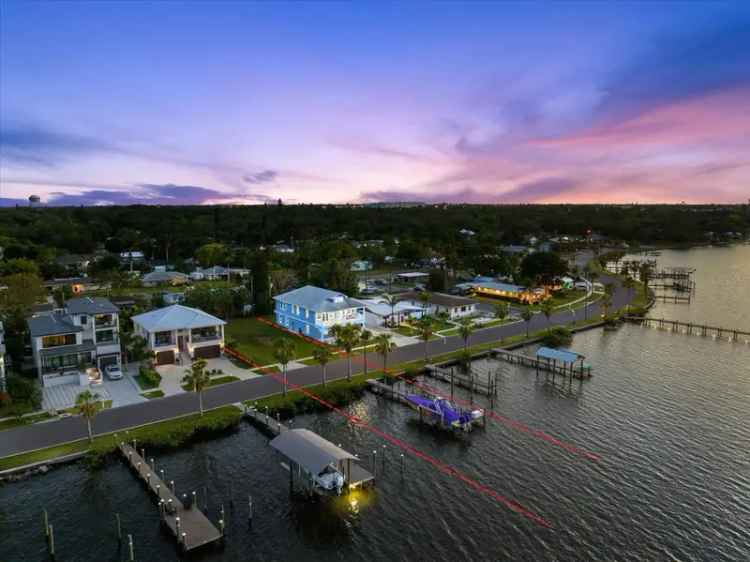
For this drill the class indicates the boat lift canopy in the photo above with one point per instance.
(562, 355)
(309, 450)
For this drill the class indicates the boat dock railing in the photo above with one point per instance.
(582, 371)
(691, 328)
(190, 527)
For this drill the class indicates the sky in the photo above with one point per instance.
(234, 102)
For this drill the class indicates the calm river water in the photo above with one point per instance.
(667, 413)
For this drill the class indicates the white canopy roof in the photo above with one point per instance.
(175, 317)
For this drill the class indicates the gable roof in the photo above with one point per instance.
(164, 276)
(439, 299)
(175, 317)
(90, 305)
(51, 325)
(317, 299)
(309, 449)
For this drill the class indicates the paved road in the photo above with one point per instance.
(42, 435)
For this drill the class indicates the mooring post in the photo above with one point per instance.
(402, 465)
(153, 464)
(222, 515)
(171, 485)
(148, 479)
(177, 527)
(51, 541)
(384, 456)
(119, 528)
(184, 540)
(158, 491)
(131, 552)
(374, 466)
(46, 523)
(195, 500)
(221, 527)
(250, 508)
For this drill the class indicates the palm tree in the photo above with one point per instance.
(284, 351)
(364, 338)
(88, 405)
(547, 310)
(392, 301)
(465, 329)
(424, 298)
(426, 330)
(501, 310)
(197, 378)
(384, 345)
(323, 356)
(347, 337)
(527, 315)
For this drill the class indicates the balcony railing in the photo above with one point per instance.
(163, 343)
(202, 338)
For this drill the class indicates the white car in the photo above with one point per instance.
(114, 373)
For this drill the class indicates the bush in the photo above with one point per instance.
(557, 337)
(337, 393)
(148, 378)
(24, 391)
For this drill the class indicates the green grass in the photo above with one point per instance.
(256, 340)
(161, 435)
(153, 394)
(215, 381)
(15, 422)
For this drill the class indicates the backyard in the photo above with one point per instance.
(255, 339)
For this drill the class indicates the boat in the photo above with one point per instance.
(445, 413)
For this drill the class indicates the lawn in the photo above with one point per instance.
(215, 381)
(15, 422)
(256, 340)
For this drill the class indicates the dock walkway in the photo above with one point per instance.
(486, 385)
(190, 527)
(581, 372)
(691, 328)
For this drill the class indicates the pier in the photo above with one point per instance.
(305, 451)
(190, 527)
(573, 367)
(691, 328)
(471, 381)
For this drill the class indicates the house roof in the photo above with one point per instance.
(309, 450)
(51, 325)
(163, 277)
(90, 305)
(317, 299)
(381, 308)
(563, 355)
(497, 286)
(440, 299)
(175, 317)
(412, 275)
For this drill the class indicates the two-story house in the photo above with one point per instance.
(175, 330)
(64, 343)
(312, 311)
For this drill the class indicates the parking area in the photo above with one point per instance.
(121, 393)
(171, 375)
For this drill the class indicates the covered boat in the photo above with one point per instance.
(444, 412)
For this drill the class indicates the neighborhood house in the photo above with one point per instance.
(66, 344)
(379, 313)
(312, 311)
(490, 288)
(180, 331)
(439, 303)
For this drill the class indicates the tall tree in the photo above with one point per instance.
(384, 345)
(365, 337)
(527, 315)
(346, 337)
(88, 405)
(465, 329)
(323, 355)
(501, 311)
(198, 379)
(425, 331)
(284, 352)
(547, 310)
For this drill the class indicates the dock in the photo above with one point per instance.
(472, 381)
(691, 328)
(566, 369)
(190, 527)
(355, 475)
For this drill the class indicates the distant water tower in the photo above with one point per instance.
(34, 200)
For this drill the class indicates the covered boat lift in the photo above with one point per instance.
(565, 361)
(317, 465)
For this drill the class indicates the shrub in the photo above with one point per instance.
(24, 391)
(557, 337)
(149, 378)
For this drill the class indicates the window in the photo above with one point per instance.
(56, 341)
(105, 336)
(104, 319)
(295, 309)
(307, 329)
(84, 319)
(163, 338)
(202, 334)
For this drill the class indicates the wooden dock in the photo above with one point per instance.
(473, 381)
(357, 476)
(581, 372)
(691, 328)
(190, 527)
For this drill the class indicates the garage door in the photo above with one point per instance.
(164, 357)
(207, 352)
(108, 360)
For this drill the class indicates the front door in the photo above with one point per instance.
(181, 342)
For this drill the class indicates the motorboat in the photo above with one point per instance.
(445, 412)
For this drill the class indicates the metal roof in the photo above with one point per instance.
(175, 317)
(564, 355)
(164, 277)
(317, 299)
(412, 275)
(51, 325)
(497, 286)
(90, 305)
(440, 299)
(309, 450)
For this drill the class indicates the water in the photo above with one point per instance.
(667, 413)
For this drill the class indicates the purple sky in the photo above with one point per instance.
(169, 103)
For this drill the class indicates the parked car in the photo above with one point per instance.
(114, 372)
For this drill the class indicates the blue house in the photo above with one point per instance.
(312, 311)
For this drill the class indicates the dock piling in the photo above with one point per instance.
(51, 541)
(119, 528)
(131, 552)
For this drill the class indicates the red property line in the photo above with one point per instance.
(441, 466)
(512, 423)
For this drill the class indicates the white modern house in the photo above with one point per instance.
(66, 343)
(379, 313)
(179, 330)
(218, 272)
(453, 306)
